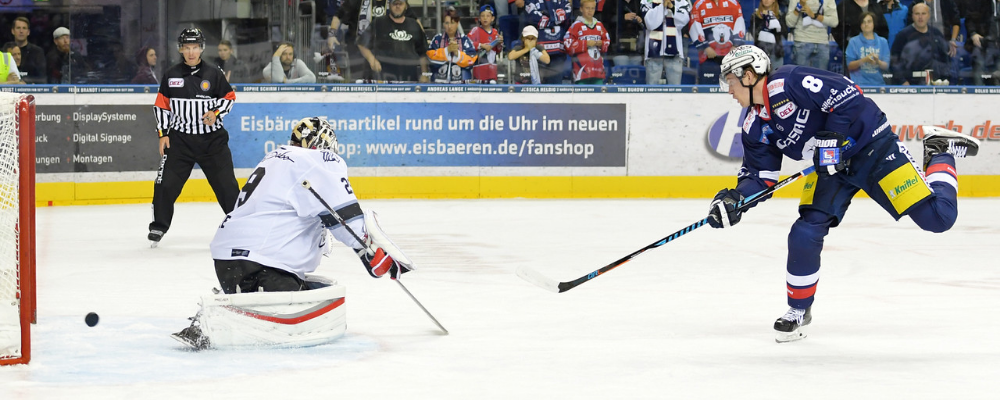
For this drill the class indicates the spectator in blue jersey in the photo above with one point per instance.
(867, 54)
(895, 17)
(920, 50)
(552, 18)
(811, 114)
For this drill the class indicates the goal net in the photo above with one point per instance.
(17, 221)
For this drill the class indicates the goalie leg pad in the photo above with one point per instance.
(282, 319)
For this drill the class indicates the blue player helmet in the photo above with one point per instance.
(314, 133)
(740, 59)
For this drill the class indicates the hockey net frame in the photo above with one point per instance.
(17, 226)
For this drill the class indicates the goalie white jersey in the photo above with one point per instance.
(278, 223)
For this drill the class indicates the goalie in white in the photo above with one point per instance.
(275, 236)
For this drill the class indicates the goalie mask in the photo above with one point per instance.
(314, 133)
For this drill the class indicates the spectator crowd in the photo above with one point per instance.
(874, 42)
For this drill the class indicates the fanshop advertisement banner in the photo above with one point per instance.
(443, 134)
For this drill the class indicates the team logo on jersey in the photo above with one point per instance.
(786, 110)
(175, 82)
(776, 86)
(205, 85)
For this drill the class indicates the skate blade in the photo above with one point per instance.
(785, 337)
(152, 244)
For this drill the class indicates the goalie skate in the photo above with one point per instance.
(192, 337)
(790, 326)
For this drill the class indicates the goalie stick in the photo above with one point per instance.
(308, 186)
(544, 282)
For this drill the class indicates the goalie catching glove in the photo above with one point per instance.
(379, 254)
(723, 213)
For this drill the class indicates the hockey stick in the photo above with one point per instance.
(308, 186)
(544, 282)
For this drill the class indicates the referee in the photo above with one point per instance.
(193, 98)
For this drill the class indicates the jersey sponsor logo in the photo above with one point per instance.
(400, 35)
(797, 129)
(718, 19)
(175, 82)
(240, 253)
(839, 97)
(786, 110)
(776, 86)
(205, 85)
(708, 6)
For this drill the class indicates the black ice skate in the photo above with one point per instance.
(192, 335)
(154, 237)
(939, 141)
(789, 326)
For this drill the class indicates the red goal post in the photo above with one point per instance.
(17, 226)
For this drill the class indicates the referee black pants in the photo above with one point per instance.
(211, 152)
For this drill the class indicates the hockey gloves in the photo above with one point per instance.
(829, 154)
(723, 213)
(377, 262)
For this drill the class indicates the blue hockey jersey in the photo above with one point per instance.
(799, 102)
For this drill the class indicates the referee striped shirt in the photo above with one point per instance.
(186, 93)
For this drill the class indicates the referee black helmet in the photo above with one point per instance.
(191, 35)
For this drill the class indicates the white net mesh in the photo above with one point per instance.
(10, 324)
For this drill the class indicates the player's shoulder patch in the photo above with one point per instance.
(786, 110)
(776, 86)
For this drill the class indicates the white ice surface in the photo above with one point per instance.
(900, 313)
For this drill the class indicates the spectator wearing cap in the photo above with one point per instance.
(552, 18)
(488, 43)
(395, 46)
(65, 66)
(9, 74)
(527, 53)
(32, 65)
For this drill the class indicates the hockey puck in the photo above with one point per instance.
(91, 319)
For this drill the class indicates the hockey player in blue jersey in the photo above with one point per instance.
(806, 113)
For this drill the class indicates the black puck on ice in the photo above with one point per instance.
(91, 319)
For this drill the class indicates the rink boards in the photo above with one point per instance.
(100, 148)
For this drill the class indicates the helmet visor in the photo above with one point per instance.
(725, 80)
